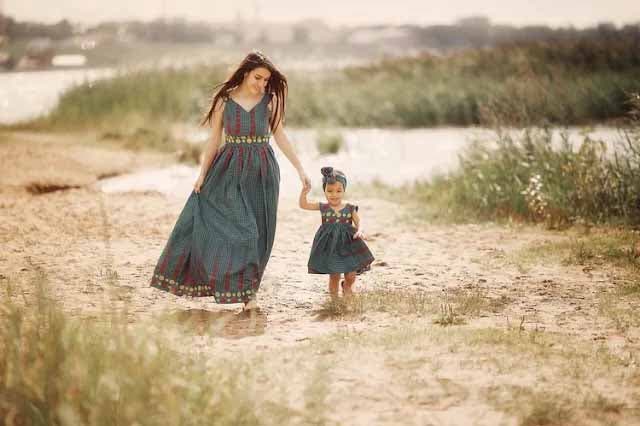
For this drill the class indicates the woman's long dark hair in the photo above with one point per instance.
(276, 86)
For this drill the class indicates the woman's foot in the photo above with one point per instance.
(249, 305)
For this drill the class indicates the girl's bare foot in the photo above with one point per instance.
(346, 289)
(347, 284)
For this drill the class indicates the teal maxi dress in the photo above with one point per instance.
(222, 240)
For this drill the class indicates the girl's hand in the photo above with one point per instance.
(306, 182)
(198, 184)
(359, 234)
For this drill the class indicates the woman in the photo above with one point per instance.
(222, 240)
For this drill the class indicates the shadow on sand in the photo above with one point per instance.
(230, 324)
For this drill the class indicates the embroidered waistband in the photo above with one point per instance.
(247, 139)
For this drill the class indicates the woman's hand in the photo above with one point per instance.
(198, 184)
(306, 182)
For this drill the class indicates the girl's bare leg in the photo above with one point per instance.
(349, 280)
(333, 284)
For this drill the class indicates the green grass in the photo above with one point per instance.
(59, 369)
(448, 316)
(621, 305)
(148, 99)
(392, 301)
(528, 177)
(329, 142)
(450, 307)
(535, 376)
(600, 246)
(525, 85)
(62, 369)
(616, 251)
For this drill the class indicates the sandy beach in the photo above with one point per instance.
(98, 250)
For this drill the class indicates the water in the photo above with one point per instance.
(29, 94)
(394, 157)
(26, 95)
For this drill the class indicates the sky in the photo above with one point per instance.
(555, 13)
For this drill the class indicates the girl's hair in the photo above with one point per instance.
(277, 85)
(331, 175)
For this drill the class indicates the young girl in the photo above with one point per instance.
(222, 240)
(338, 246)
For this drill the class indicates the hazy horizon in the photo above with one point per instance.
(335, 12)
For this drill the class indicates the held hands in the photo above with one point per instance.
(306, 186)
(306, 182)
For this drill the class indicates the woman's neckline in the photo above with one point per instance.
(252, 108)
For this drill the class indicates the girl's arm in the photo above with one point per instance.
(306, 205)
(285, 146)
(213, 145)
(357, 223)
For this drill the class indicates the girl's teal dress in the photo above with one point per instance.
(222, 240)
(334, 249)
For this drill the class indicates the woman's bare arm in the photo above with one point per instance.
(285, 146)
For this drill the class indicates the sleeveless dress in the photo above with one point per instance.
(334, 250)
(222, 240)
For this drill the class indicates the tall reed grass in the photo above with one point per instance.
(56, 369)
(526, 84)
(527, 176)
(143, 98)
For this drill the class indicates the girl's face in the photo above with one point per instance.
(334, 193)
(256, 80)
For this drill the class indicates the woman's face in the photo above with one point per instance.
(334, 193)
(256, 80)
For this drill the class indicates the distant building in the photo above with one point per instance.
(39, 45)
(377, 35)
(5, 57)
(319, 32)
(5, 60)
(69, 60)
(38, 54)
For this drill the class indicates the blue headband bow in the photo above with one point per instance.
(330, 175)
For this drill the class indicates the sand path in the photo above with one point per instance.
(98, 251)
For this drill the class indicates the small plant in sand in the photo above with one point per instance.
(187, 152)
(580, 254)
(329, 142)
(393, 301)
(629, 287)
(451, 308)
(448, 316)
